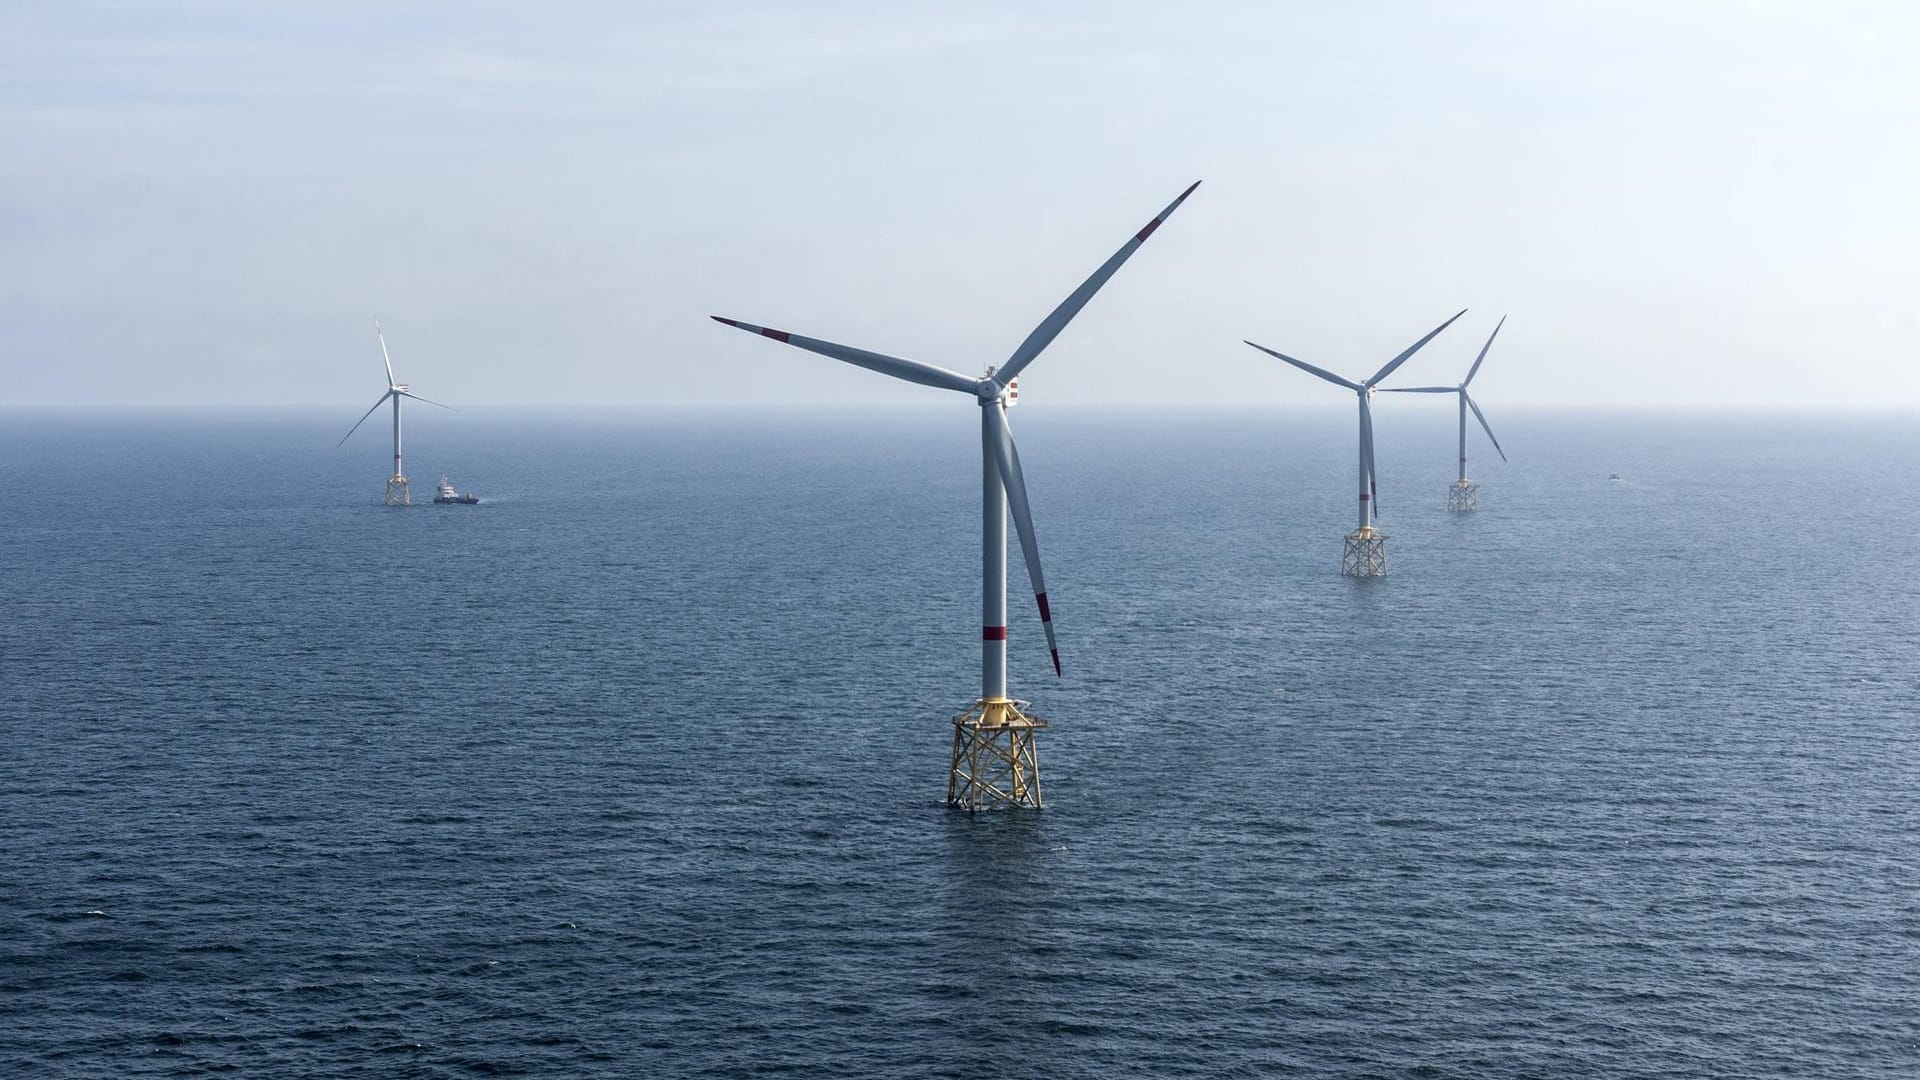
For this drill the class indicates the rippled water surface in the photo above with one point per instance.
(636, 768)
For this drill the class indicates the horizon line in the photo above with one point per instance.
(604, 408)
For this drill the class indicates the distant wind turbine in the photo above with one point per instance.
(994, 760)
(1463, 495)
(1366, 551)
(396, 484)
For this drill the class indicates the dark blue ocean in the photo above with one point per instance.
(636, 769)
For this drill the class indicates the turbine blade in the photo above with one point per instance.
(912, 371)
(1484, 426)
(1051, 326)
(1304, 366)
(417, 397)
(377, 332)
(1475, 369)
(1008, 458)
(1411, 349)
(1419, 389)
(362, 420)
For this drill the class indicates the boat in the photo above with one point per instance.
(446, 494)
(1615, 477)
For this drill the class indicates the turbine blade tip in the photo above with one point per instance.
(1147, 230)
(1056, 663)
(777, 335)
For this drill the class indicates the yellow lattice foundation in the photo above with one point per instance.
(1366, 554)
(995, 762)
(397, 491)
(1463, 496)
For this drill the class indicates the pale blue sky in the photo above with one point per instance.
(1676, 204)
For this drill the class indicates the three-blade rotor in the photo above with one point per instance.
(1462, 390)
(990, 391)
(1364, 390)
(395, 389)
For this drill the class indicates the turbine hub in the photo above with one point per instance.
(989, 391)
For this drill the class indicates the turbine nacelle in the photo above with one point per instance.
(992, 389)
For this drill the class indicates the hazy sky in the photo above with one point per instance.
(1675, 203)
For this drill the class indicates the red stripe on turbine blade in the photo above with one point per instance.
(1056, 662)
(1046, 613)
(993, 633)
(1155, 223)
(777, 335)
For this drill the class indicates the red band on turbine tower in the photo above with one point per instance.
(993, 633)
(1363, 496)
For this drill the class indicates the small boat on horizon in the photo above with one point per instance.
(446, 494)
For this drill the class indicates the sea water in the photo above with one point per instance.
(636, 768)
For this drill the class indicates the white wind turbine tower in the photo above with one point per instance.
(994, 761)
(397, 483)
(1464, 494)
(1366, 551)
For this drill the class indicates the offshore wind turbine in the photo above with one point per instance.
(1463, 495)
(994, 761)
(397, 483)
(1366, 551)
